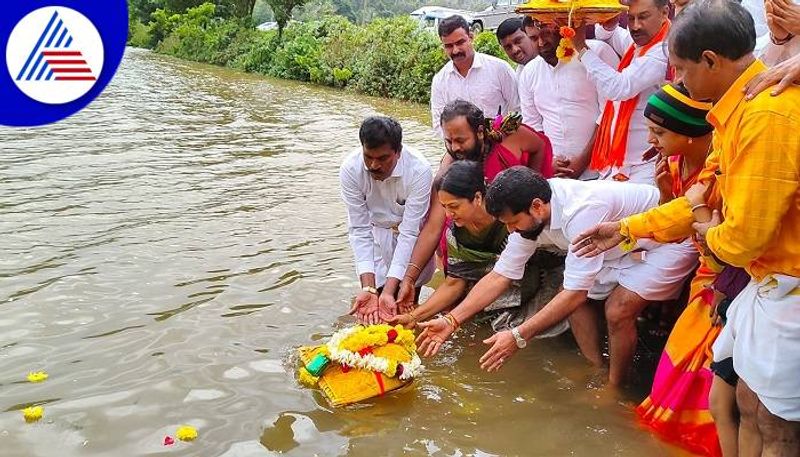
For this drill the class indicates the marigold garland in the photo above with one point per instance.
(566, 47)
(353, 347)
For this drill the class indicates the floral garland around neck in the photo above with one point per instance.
(353, 347)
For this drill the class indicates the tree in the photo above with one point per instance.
(283, 11)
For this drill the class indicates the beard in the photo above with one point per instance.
(475, 153)
(532, 234)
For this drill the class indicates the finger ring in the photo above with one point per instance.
(502, 360)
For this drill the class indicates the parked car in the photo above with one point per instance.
(488, 19)
(491, 17)
(430, 18)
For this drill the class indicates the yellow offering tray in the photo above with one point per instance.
(583, 11)
(360, 362)
(347, 387)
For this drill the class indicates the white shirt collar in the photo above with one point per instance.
(477, 62)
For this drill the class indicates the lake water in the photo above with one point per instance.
(163, 252)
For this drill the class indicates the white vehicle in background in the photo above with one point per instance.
(430, 16)
(495, 14)
(488, 19)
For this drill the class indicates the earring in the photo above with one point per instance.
(691, 140)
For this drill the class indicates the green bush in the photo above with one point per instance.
(387, 57)
(139, 34)
(486, 42)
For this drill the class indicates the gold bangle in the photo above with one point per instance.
(414, 265)
(451, 321)
(696, 207)
(455, 321)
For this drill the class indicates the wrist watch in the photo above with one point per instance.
(521, 342)
(370, 289)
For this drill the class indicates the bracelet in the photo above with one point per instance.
(782, 41)
(452, 321)
(696, 207)
(410, 279)
(370, 289)
(414, 265)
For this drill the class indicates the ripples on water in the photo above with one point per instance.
(164, 250)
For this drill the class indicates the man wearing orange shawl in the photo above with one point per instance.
(621, 139)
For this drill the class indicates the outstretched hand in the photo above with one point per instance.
(387, 307)
(503, 346)
(597, 239)
(434, 333)
(365, 308)
(406, 320)
(405, 297)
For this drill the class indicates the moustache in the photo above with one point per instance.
(457, 56)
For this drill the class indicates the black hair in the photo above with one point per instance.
(452, 23)
(661, 3)
(458, 108)
(514, 189)
(377, 131)
(721, 26)
(463, 179)
(528, 21)
(508, 27)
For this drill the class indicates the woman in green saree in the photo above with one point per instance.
(472, 242)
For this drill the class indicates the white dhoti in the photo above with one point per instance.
(385, 239)
(658, 276)
(763, 337)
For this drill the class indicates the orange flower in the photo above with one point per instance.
(567, 32)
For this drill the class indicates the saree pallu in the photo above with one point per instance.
(677, 407)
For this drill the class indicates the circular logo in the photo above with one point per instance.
(55, 55)
(59, 56)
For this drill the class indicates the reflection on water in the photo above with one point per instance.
(163, 252)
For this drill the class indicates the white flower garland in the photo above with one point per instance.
(371, 362)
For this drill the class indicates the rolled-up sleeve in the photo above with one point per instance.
(359, 226)
(416, 208)
(511, 263)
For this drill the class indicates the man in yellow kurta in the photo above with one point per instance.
(756, 164)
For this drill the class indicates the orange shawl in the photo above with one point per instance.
(611, 144)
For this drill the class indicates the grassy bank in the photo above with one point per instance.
(386, 57)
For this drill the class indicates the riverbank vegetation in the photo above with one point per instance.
(386, 57)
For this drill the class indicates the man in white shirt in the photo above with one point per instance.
(518, 46)
(558, 98)
(621, 139)
(483, 80)
(548, 214)
(386, 188)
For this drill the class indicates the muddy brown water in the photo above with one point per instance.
(165, 250)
